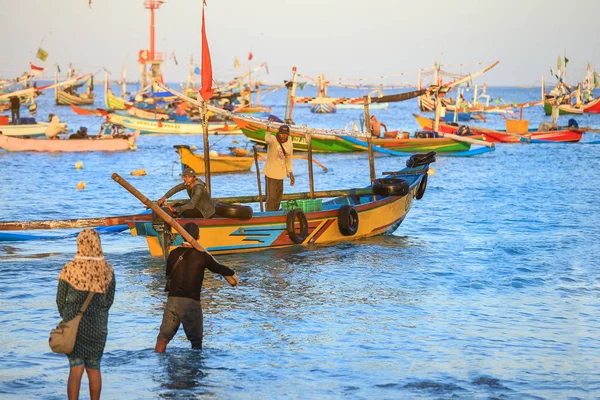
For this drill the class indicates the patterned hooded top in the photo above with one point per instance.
(89, 271)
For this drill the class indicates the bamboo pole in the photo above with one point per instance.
(233, 281)
(65, 224)
(369, 137)
(293, 196)
(311, 181)
(206, 147)
(260, 197)
(292, 94)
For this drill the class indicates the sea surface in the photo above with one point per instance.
(490, 288)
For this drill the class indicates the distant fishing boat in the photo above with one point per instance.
(562, 134)
(147, 126)
(220, 163)
(26, 130)
(255, 131)
(67, 145)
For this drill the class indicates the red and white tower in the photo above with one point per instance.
(150, 57)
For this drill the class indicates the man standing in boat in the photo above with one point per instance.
(15, 109)
(278, 165)
(200, 204)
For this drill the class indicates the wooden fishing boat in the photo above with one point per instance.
(26, 130)
(338, 102)
(67, 145)
(348, 215)
(426, 101)
(65, 99)
(147, 126)
(562, 134)
(113, 102)
(222, 163)
(593, 107)
(255, 131)
(563, 109)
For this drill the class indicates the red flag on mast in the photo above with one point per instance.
(250, 56)
(206, 91)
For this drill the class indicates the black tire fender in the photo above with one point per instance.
(422, 187)
(348, 220)
(235, 211)
(390, 187)
(292, 216)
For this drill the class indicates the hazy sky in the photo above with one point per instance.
(342, 38)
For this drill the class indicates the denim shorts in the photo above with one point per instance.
(89, 362)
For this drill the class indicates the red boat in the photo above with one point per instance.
(562, 134)
(593, 107)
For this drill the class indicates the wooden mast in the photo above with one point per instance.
(369, 138)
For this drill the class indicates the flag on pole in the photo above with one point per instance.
(595, 79)
(206, 91)
(566, 61)
(197, 70)
(267, 67)
(250, 56)
(35, 70)
(41, 54)
(236, 63)
(174, 58)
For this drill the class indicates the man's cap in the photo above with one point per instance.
(284, 129)
(189, 172)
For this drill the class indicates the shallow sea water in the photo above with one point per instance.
(488, 289)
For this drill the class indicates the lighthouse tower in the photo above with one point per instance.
(149, 59)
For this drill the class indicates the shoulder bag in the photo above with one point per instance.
(62, 339)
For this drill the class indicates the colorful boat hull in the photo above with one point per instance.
(498, 136)
(563, 109)
(147, 126)
(66, 99)
(593, 107)
(333, 144)
(268, 230)
(113, 102)
(66, 145)
(31, 130)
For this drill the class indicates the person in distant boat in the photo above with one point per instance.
(106, 130)
(200, 204)
(80, 134)
(88, 273)
(376, 127)
(15, 109)
(278, 165)
(54, 127)
(185, 273)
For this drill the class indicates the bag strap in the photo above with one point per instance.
(177, 263)
(281, 145)
(86, 303)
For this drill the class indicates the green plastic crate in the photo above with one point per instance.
(307, 205)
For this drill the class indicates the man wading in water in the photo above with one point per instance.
(185, 273)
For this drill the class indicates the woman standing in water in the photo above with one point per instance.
(88, 272)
